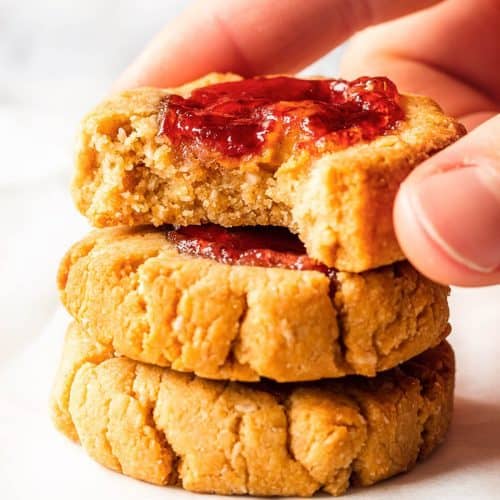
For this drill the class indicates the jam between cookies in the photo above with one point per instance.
(246, 246)
(243, 117)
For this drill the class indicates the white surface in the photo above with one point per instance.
(56, 59)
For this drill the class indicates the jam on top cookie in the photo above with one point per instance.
(246, 246)
(243, 117)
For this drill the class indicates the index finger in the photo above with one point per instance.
(254, 37)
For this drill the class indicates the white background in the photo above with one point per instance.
(57, 59)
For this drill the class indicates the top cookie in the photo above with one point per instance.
(327, 166)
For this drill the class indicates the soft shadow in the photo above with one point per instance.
(473, 440)
(472, 445)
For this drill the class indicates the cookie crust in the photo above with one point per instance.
(132, 290)
(166, 427)
(339, 204)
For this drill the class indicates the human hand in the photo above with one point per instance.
(447, 213)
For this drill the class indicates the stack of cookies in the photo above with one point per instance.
(249, 325)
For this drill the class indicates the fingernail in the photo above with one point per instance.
(459, 209)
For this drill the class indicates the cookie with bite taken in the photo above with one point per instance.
(322, 158)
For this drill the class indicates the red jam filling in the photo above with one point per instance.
(246, 246)
(243, 117)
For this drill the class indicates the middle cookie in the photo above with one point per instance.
(243, 304)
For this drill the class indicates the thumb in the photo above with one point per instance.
(447, 212)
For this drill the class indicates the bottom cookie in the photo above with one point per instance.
(165, 427)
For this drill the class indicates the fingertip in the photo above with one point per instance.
(427, 255)
(254, 37)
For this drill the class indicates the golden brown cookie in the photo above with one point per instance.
(166, 427)
(339, 201)
(132, 290)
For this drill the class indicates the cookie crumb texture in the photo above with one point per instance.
(339, 202)
(170, 428)
(132, 290)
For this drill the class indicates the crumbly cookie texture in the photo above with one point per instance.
(132, 290)
(339, 203)
(166, 427)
